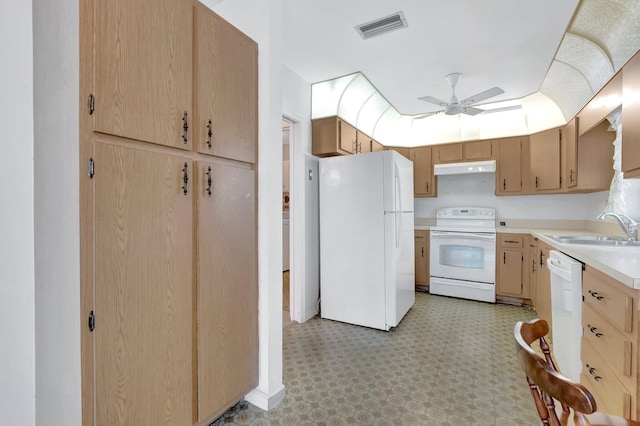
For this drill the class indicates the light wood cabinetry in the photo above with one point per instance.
(509, 157)
(169, 258)
(226, 108)
(143, 287)
(543, 284)
(512, 278)
(607, 100)
(143, 73)
(421, 238)
(544, 160)
(532, 269)
(570, 153)
(376, 146)
(227, 305)
(630, 114)
(594, 169)
(333, 136)
(424, 182)
(609, 343)
(465, 151)
(363, 143)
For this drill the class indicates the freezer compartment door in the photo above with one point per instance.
(399, 266)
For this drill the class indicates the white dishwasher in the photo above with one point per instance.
(566, 312)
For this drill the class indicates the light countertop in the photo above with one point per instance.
(620, 263)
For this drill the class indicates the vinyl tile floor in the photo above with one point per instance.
(449, 362)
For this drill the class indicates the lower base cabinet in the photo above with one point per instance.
(421, 238)
(609, 348)
(512, 278)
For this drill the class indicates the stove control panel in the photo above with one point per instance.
(466, 213)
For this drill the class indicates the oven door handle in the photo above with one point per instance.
(465, 235)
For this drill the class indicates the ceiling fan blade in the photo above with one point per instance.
(428, 114)
(509, 108)
(489, 93)
(472, 111)
(433, 100)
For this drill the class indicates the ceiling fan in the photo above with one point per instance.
(464, 106)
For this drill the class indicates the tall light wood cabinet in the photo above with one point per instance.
(168, 223)
(143, 292)
(227, 296)
(421, 240)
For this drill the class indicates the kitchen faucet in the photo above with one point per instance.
(629, 225)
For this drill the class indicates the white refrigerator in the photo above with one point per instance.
(367, 272)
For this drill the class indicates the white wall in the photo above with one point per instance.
(17, 283)
(56, 195)
(479, 190)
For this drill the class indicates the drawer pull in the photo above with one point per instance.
(594, 330)
(512, 242)
(596, 295)
(592, 371)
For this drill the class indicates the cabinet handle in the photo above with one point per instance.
(422, 251)
(596, 295)
(511, 241)
(209, 134)
(592, 371)
(594, 330)
(504, 257)
(571, 175)
(536, 182)
(533, 265)
(541, 258)
(427, 186)
(209, 181)
(185, 178)
(504, 184)
(185, 127)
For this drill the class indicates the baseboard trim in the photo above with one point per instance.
(264, 401)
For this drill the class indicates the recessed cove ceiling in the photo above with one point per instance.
(549, 57)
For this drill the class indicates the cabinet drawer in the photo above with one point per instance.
(609, 392)
(421, 236)
(608, 299)
(511, 241)
(614, 347)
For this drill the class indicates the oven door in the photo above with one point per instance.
(463, 255)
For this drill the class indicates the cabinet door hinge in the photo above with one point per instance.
(91, 104)
(92, 321)
(91, 168)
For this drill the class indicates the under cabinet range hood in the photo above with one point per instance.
(463, 168)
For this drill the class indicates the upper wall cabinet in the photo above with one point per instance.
(424, 182)
(333, 136)
(544, 160)
(466, 151)
(594, 162)
(631, 118)
(226, 89)
(570, 153)
(142, 73)
(607, 100)
(509, 166)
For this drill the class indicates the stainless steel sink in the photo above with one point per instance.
(594, 240)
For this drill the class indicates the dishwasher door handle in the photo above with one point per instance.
(555, 267)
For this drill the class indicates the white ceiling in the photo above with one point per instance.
(505, 43)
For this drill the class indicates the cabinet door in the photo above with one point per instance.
(543, 285)
(570, 147)
(421, 262)
(544, 160)
(143, 287)
(448, 153)
(364, 142)
(227, 332)
(423, 179)
(142, 70)
(509, 175)
(226, 89)
(481, 150)
(376, 146)
(348, 137)
(510, 264)
(630, 114)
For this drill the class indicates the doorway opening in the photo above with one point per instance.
(287, 266)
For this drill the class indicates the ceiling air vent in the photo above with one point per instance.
(382, 25)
